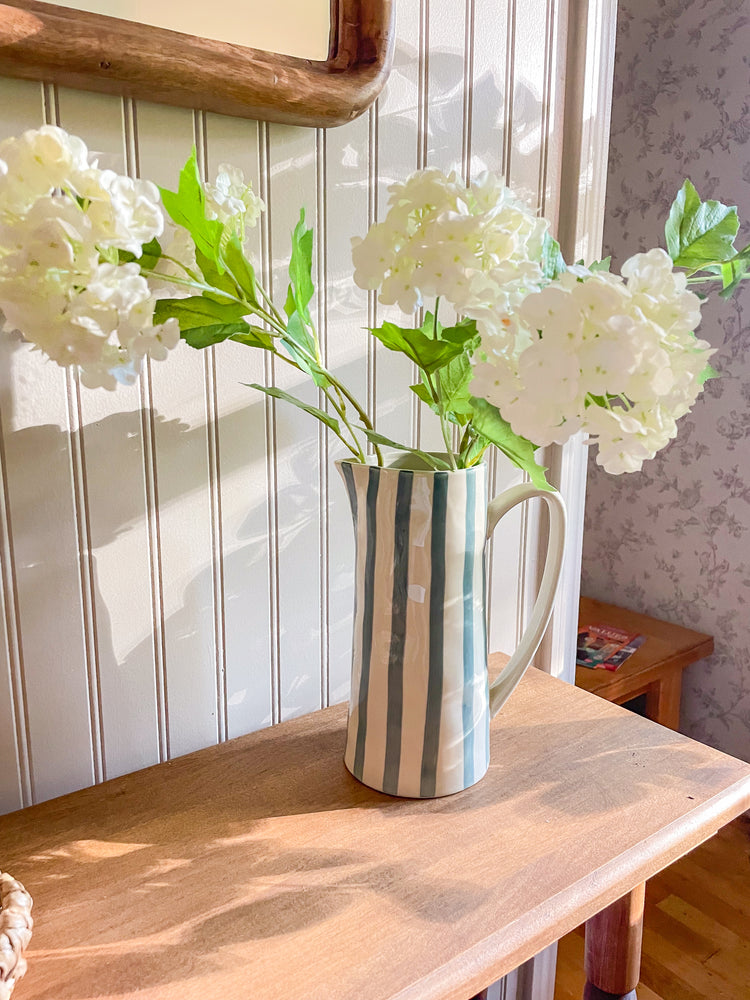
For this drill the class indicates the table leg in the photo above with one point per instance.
(663, 700)
(613, 949)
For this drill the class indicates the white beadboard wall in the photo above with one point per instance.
(177, 557)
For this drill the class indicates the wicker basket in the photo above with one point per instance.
(15, 932)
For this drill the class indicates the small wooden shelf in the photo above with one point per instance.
(654, 670)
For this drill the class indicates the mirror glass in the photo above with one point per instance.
(292, 27)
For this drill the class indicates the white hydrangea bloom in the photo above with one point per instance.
(231, 200)
(478, 248)
(114, 367)
(61, 219)
(124, 213)
(53, 234)
(36, 164)
(613, 356)
(156, 341)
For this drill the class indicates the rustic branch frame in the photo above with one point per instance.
(41, 41)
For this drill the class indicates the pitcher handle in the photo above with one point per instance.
(514, 670)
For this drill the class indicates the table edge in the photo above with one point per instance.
(527, 940)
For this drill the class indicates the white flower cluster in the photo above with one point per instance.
(62, 223)
(613, 356)
(478, 247)
(230, 200)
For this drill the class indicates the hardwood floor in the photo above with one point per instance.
(696, 934)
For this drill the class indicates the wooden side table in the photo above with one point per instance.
(654, 670)
(260, 869)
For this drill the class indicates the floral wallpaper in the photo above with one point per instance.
(674, 540)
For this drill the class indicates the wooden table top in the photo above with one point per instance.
(667, 646)
(260, 870)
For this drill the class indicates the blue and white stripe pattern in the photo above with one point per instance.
(419, 712)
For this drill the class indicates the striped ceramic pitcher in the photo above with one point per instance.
(420, 703)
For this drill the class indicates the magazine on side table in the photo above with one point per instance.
(606, 647)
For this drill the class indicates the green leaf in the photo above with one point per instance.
(454, 383)
(733, 271)
(488, 422)
(302, 347)
(463, 334)
(553, 264)
(314, 411)
(421, 390)
(478, 447)
(455, 378)
(198, 311)
(214, 276)
(699, 233)
(300, 340)
(187, 208)
(431, 460)
(309, 367)
(255, 336)
(301, 286)
(205, 336)
(241, 269)
(707, 373)
(601, 265)
(149, 258)
(428, 354)
(111, 255)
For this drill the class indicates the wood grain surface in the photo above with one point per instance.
(260, 868)
(668, 650)
(39, 41)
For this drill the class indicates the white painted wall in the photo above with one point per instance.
(176, 558)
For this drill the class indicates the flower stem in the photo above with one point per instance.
(341, 410)
(361, 413)
(438, 395)
(278, 328)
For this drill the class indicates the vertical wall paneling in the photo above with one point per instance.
(293, 184)
(272, 499)
(495, 25)
(241, 460)
(511, 555)
(345, 196)
(45, 552)
(444, 109)
(320, 274)
(216, 525)
(589, 41)
(488, 72)
(184, 484)
(114, 525)
(588, 90)
(15, 776)
(24, 104)
(400, 143)
(446, 106)
(46, 556)
(533, 88)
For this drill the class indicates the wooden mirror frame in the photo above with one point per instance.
(40, 41)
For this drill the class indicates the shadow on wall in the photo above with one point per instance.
(444, 121)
